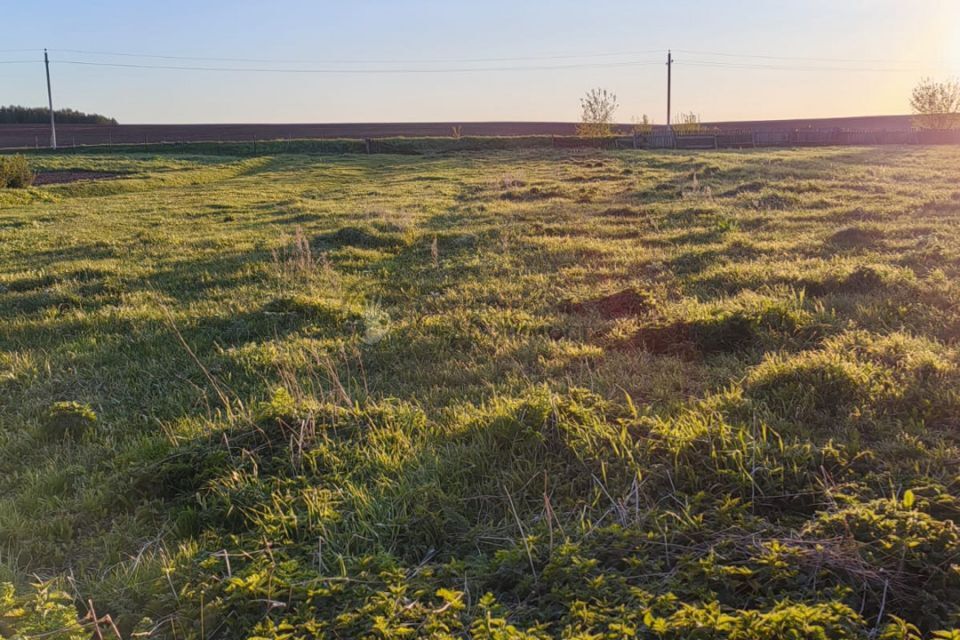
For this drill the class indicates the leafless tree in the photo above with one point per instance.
(598, 107)
(937, 104)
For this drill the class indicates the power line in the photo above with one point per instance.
(608, 54)
(746, 65)
(798, 58)
(358, 61)
(358, 71)
(18, 61)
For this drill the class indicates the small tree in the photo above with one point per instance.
(596, 119)
(643, 125)
(687, 123)
(937, 104)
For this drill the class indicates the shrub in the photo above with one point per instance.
(15, 172)
(68, 420)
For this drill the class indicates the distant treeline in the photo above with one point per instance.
(39, 115)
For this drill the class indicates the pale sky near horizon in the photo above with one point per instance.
(528, 60)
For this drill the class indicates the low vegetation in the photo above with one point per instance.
(526, 394)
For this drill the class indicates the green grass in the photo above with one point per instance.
(497, 394)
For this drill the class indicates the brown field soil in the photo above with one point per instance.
(25, 136)
(63, 177)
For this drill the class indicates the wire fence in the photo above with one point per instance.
(792, 138)
(159, 139)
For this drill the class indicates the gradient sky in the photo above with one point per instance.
(841, 57)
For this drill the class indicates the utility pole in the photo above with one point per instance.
(669, 82)
(53, 124)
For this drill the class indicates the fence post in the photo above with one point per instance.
(366, 142)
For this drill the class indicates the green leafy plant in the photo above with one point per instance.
(42, 612)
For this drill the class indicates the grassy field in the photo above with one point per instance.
(498, 395)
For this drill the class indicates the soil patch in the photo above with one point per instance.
(63, 177)
(533, 193)
(688, 340)
(623, 212)
(623, 304)
(855, 237)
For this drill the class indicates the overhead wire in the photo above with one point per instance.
(358, 71)
(359, 61)
(797, 58)
(734, 65)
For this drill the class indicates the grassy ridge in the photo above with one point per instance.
(506, 395)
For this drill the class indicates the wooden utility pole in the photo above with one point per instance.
(53, 124)
(669, 83)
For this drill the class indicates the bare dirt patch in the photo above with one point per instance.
(623, 304)
(64, 177)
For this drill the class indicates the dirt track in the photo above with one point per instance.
(19, 136)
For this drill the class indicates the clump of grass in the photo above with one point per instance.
(67, 421)
(709, 331)
(819, 389)
(294, 258)
(856, 380)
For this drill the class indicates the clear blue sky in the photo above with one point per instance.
(898, 41)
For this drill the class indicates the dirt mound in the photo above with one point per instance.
(754, 186)
(364, 237)
(671, 339)
(623, 304)
(623, 212)
(532, 194)
(856, 237)
(727, 334)
(776, 202)
(862, 280)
